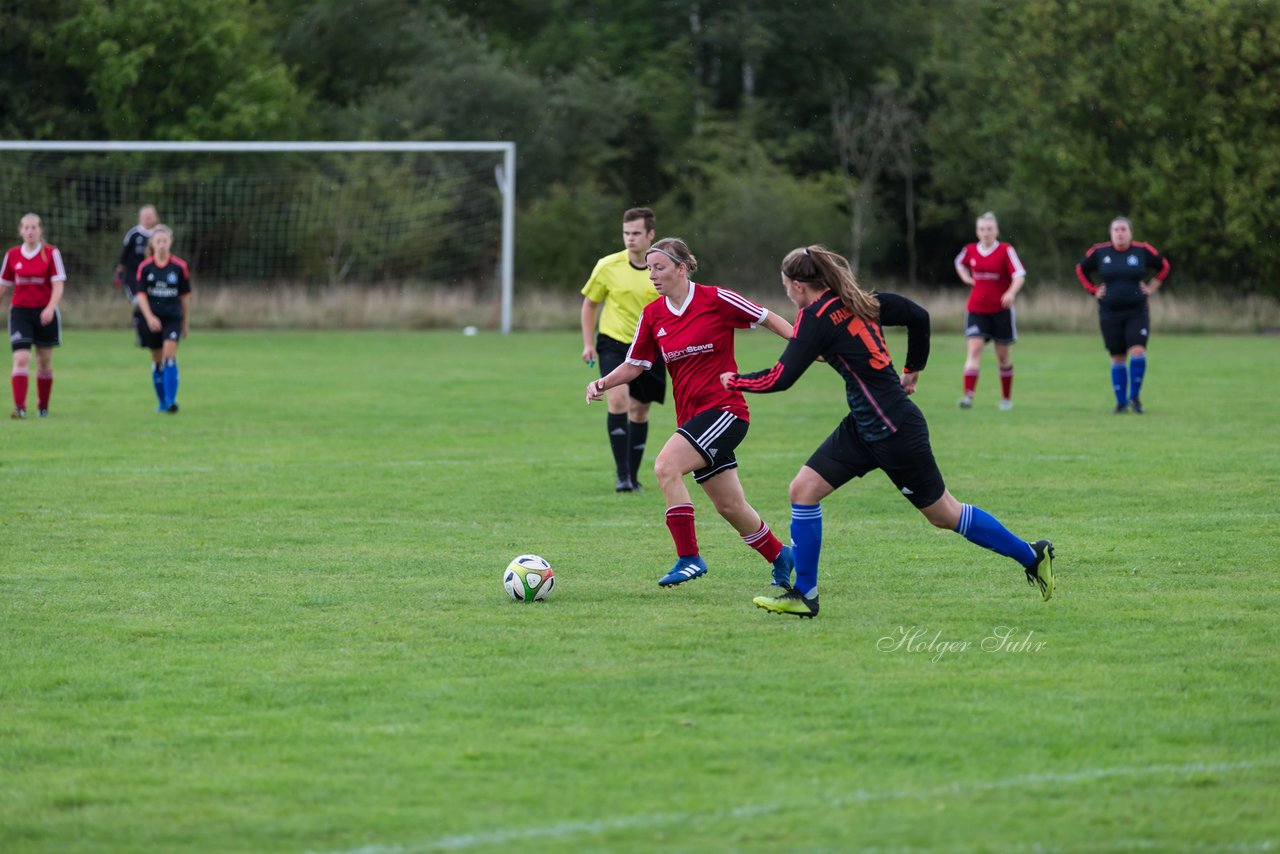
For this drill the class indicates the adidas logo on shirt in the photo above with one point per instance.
(661, 332)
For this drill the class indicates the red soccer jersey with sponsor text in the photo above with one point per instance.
(32, 276)
(696, 342)
(993, 271)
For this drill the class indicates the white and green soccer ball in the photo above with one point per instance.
(528, 578)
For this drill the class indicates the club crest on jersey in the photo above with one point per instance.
(1132, 261)
(173, 278)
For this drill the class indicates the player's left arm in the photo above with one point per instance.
(1019, 274)
(775, 324)
(58, 282)
(1159, 263)
(896, 310)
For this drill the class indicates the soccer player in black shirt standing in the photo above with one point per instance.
(134, 251)
(1123, 266)
(163, 293)
(841, 323)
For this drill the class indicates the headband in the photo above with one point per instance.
(668, 254)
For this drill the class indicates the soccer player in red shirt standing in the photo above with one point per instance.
(691, 327)
(37, 275)
(996, 275)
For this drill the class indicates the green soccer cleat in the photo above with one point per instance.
(789, 602)
(1040, 573)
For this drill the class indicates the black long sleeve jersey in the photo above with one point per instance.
(856, 350)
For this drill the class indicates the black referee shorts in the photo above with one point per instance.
(649, 387)
(905, 456)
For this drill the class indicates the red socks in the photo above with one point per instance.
(764, 542)
(19, 382)
(680, 523)
(1006, 382)
(44, 387)
(970, 382)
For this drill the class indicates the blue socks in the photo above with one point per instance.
(1137, 370)
(157, 381)
(981, 528)
(806, 545)
(170, 381)
(1120, 382)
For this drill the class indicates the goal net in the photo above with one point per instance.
(254, 215)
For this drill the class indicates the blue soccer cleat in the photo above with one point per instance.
(686, 569)
(783, 567)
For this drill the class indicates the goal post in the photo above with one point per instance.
(308, 213)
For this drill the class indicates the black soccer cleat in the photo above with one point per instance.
(1121, 409)
(1136, 406)
(43, 413)
(1040, 573)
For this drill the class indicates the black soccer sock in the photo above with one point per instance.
(639, 435)
(619, 441)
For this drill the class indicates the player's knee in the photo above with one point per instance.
(664, 471)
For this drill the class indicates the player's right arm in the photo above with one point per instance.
(589, 309)
(1087, 265)
(961, 270)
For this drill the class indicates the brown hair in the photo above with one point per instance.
(818, 267)
(676, 249)
(633, 214)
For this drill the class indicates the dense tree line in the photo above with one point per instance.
(881, 129)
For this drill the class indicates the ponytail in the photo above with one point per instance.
(819, 267)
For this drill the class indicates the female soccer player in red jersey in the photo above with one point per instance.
(38, 276)
(691, 329)
(841, 323)
(996, 275)
(163, 294)
(1123, 266)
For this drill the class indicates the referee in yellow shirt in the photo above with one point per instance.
(620, 283)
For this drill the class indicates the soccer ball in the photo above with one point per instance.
(529, 578)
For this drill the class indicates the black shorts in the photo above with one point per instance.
(998, 327)
(170, 330)
(649, 387)
(1124, 329)
(906, 457)
(716, 434)
(25, 329)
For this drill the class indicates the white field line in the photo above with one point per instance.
(570, 829)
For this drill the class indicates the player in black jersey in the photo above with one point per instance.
(163, 294)
(134, 251)
(1123, 266)
(841, 323)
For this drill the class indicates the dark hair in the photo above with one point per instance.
(633, 214)
(818, 267)
(676, 249)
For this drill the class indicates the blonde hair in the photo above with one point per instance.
(677, 250)
(159, 227)
(988, 215)
(818, 267)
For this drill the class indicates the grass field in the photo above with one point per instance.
(275, 621)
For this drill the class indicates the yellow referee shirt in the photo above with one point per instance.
(624, 290)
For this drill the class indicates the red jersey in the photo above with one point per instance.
(696, 342)
(32, 276)
(993, 271)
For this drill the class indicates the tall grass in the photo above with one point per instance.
(220, 306)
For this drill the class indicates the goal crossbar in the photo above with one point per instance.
(505, 176)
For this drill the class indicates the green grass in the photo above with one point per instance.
(275, 622)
